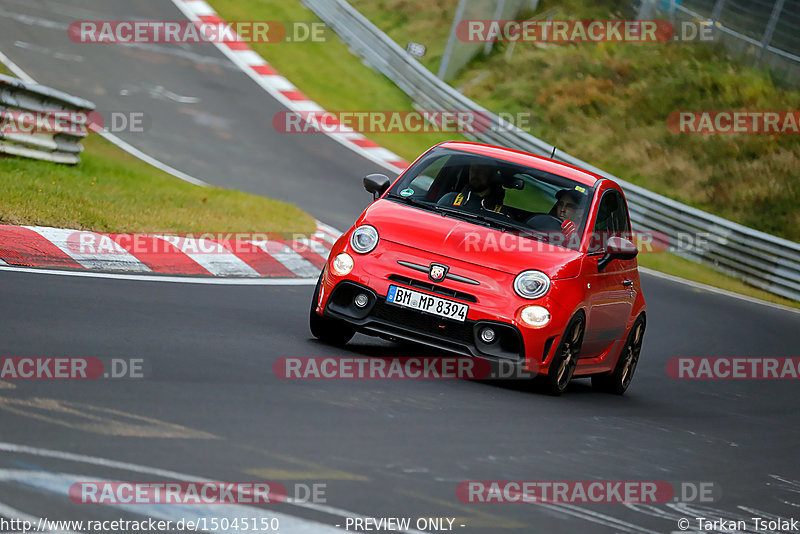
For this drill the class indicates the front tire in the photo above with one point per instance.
(328, 331)
(566, 358)
(618, 381)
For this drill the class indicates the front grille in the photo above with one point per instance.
(423, 322)
(433, 288)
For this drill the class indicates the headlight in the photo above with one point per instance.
(531, 284)
(364, 239)
(342, 264)
(535, 315)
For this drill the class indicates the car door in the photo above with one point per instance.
(611, 291)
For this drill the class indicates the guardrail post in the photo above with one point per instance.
(646, 9)
(716, 13)
(773, 21)
(451, 40)
(497, 13)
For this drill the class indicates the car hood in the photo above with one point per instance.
(468, 242)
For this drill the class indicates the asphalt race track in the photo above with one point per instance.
(209, 405)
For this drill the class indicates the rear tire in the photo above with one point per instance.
(566, 358)
(618, 381)
(328, 331)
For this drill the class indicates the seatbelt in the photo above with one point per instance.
(460, 198)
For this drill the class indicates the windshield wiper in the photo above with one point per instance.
(468, 215)
(410, 200)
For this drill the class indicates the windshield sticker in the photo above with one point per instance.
(580, 189)
(406, 192)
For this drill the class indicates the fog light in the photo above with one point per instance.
(342, 264)
(488, 335)
(361, 300)
(535, 315)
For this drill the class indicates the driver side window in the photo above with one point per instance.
(612, 220)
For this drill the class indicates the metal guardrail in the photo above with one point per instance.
(760, 259)
(17, 96)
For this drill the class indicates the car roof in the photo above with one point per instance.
(537, 162)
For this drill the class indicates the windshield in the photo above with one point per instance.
(507, 196)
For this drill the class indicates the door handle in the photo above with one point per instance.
(627, 283)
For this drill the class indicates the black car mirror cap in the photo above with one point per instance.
(617, 248)
(377, 184)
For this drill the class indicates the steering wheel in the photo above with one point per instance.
(544, 223)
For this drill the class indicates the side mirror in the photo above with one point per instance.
(377, 184)
(617, 248)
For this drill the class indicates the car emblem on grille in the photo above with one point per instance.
(437, 272)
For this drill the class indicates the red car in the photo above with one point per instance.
(492, 253)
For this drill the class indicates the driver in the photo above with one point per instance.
(569, 209)
(569, 206)
(481, 191)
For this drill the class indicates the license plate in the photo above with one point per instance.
(409, 298)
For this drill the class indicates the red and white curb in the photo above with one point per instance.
(283, 90)
(40, 246)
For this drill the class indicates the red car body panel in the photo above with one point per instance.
(611, 300)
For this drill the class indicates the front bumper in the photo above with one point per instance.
(391, 321)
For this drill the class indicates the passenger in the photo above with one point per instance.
(481, 192)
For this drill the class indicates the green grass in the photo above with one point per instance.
(111, 191)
